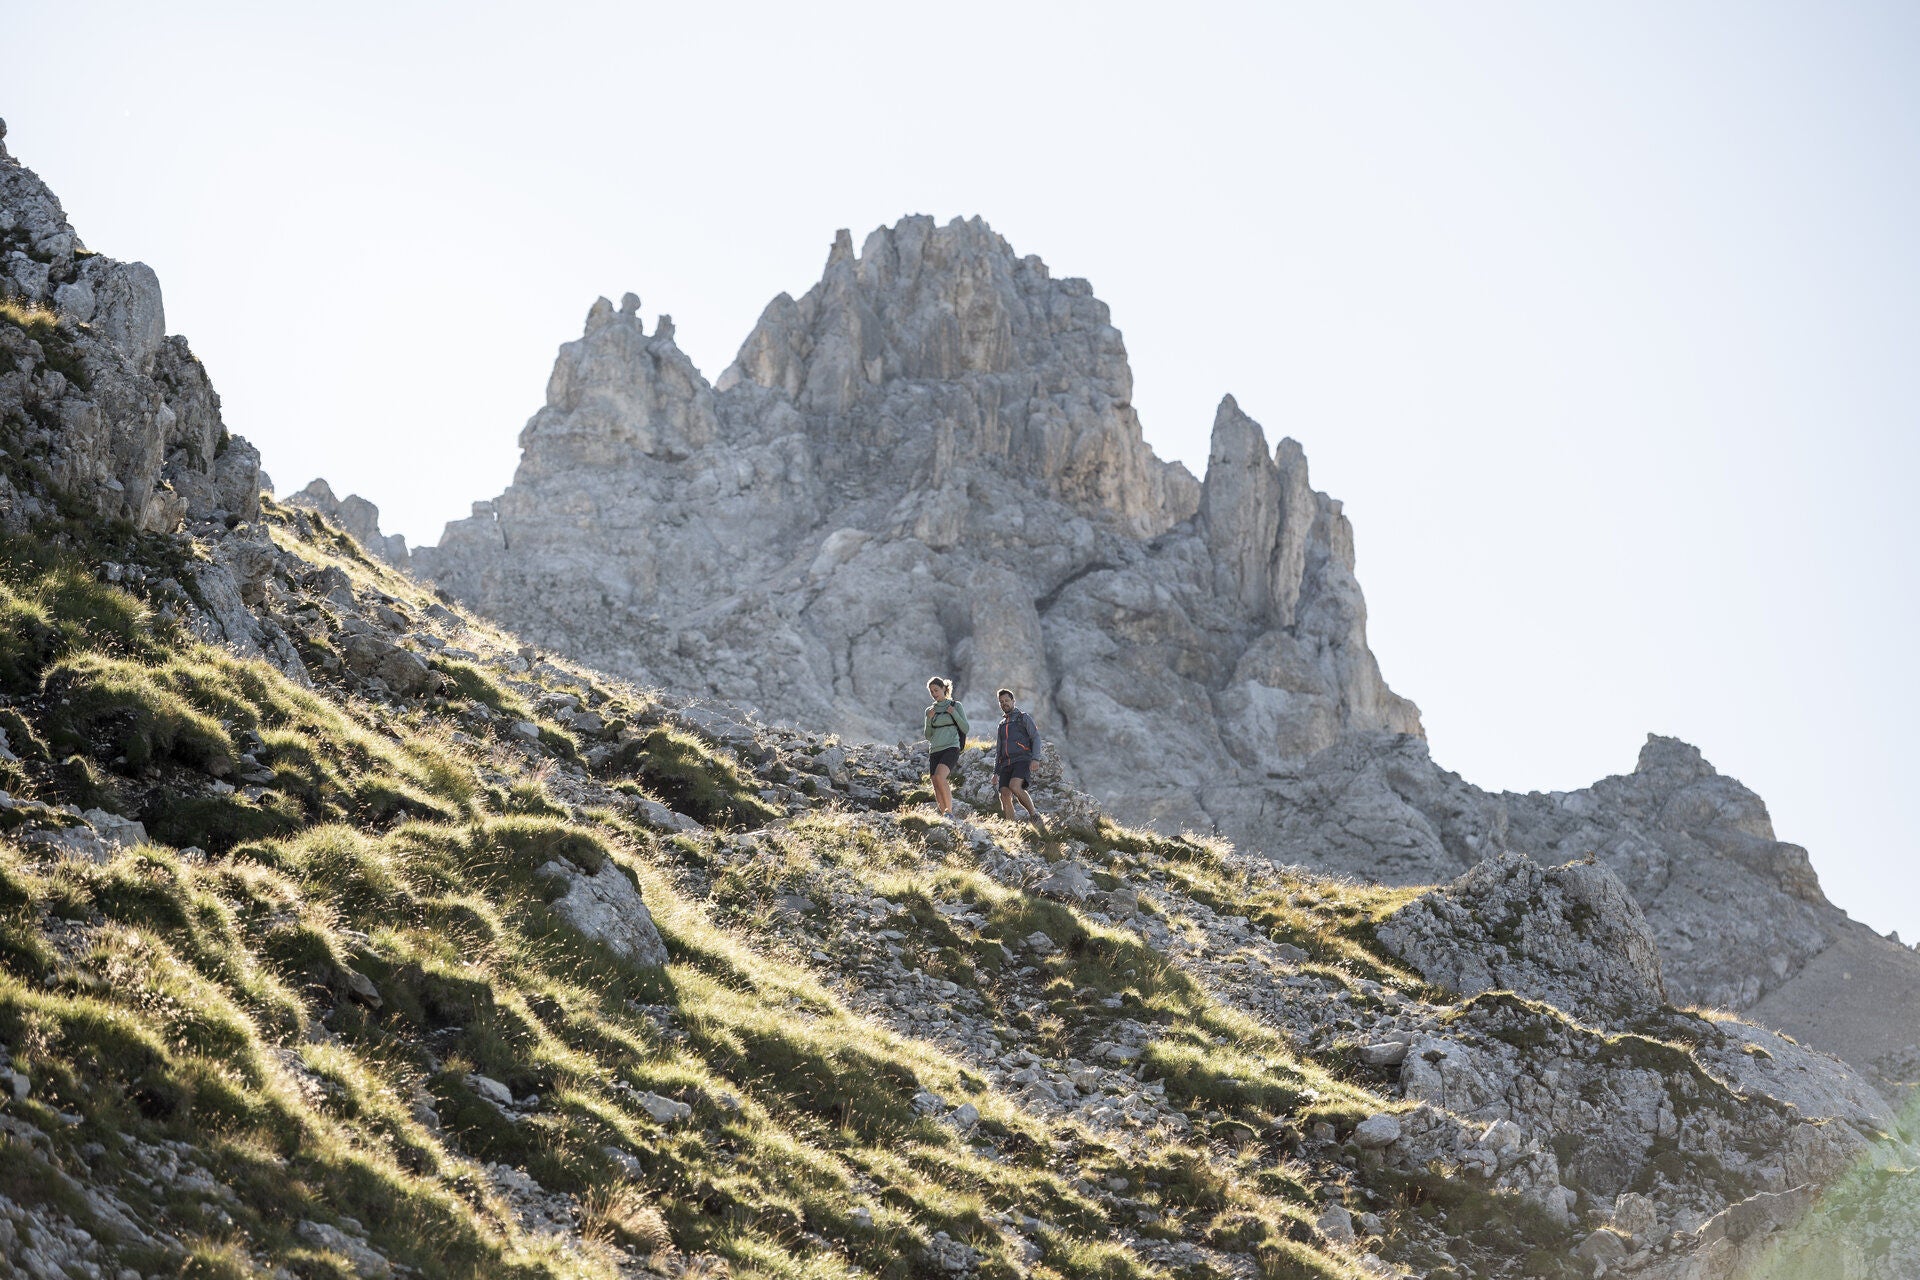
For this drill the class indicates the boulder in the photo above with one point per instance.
(1571, 936)
(404, 671)
(1377, 1131)
(604, 905)
(96, 838)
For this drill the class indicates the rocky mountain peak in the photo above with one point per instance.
(106, 415)
(1669, 763)
(900, 476)
(356, 515)
(930, 463)
(617, 393)
(1260, 512)
(945, 333)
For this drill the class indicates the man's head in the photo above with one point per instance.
(939, 688)
(1006, 699)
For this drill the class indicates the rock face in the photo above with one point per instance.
(930, 464)
(104, 417)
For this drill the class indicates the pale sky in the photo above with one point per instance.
(1601, 318)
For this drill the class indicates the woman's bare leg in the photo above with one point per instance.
(942, 792)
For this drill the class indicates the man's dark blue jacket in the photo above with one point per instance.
(1016, 740)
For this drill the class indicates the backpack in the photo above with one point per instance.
(947, 711)
(1024, 722)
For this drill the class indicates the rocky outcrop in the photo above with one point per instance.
(1738, 914)
(930, 463)
(1571, 936)
(357, 516)
(102, 415)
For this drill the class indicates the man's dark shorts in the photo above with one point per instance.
(1018, 769)
(949, 757)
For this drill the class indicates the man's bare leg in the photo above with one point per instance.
(1020, 794)
(1006, 803)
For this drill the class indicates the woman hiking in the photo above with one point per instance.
(945, 729)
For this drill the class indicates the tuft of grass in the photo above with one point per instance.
(134, 710)
(691, 777)
(622, 1214)
(58, 610)
(41, 324)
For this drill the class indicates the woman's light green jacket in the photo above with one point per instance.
(945, 725)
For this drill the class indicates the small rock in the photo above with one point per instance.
(363, 989)
(1069, 882)
(401, 669)
(1039, 943)
(793, 906)
(1503, 1136)
(949, 1254)
(1603, 1248)
(964, 1117)
(1377, 1131)
(665, 1110)
(366, 1261)
(1336, 1224)
(1636, 1215)
(628, 1163)
(1388, 1054)
(490, 1089)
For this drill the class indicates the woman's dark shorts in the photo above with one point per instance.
(1018, 769)
(949, 757)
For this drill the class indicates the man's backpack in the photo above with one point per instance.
(1023, 723)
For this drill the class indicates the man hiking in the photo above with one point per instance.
(1013, 751)
(945, 728)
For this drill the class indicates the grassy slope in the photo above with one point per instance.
(300, 1008)
(223, 1001)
